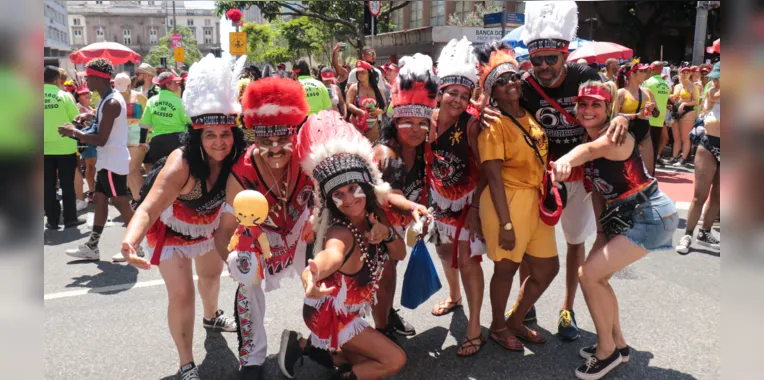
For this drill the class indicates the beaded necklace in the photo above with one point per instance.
(375, 264)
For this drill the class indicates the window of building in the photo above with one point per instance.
(77, 32)
(193, 31)
(463, 9)
(153, 37)
(99, 35)
(437, 13)
(190, 22)
(99, 2)
(151, 2)
(77, 21)
(398, 19)
(172, 22)
(416, 14)
(127, 37)
(207, 22)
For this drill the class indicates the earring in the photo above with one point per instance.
(202, 152)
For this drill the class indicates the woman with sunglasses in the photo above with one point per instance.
(685, 99)
(180, 214)
(632, 99)
(707, 171)
(513, 152)
(637, 218)
(365, 101)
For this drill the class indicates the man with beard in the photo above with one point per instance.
(273, 108)
(548, 93)
(144, 75)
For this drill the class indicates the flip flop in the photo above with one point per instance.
(530, 336)
(470, 343)
(446, 307)
(510, 343)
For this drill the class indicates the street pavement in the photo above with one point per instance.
(108, 321)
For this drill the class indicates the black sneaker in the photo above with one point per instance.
(679, 162)
(251, 372)
(595, 369)
(707, 239)
(220, 322)
(567, 328)
(49, 226)
(188, 372)
(75, 223)
(399, 325)
(389, 333)
(289, 352)
(661, 162)
(133, 204)
(588, 352)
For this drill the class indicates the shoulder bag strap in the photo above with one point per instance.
(639, 103)
(571, 120)
(528, 135)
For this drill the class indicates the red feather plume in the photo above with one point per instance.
(417, 94)
(274, 101)
(234, 15)
(320, 128)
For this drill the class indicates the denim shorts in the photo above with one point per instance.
(89, 152)
(655, 222)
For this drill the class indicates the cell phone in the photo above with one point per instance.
(656, 112)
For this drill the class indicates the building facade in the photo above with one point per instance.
(140, 24)
(57, 44)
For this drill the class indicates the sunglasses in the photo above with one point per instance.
(502, 81)
(549, 59)
(370, 53)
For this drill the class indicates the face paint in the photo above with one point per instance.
(337, 201)
(288, 147)
(275, 144)
(405, 125)
(359, 193)
(263, 150)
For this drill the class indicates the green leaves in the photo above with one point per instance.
(163, 49)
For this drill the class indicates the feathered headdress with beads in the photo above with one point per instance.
(210, 96)
(549, 25)
(416, 87)
(494, 59)
(457, 64)
(274, 106)
(334, 154)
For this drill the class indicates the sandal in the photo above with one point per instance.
(470, 343)
(510, 342)
(446, 307)
(529, 335)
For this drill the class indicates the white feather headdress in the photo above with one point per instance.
(549, 25)
(457, 64)
(211, 93)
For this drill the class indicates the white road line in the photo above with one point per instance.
(110, 288)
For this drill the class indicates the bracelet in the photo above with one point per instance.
(476, 207)
(390, 237)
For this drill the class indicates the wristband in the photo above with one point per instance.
(390, 236)
(413, 206)
(476, 207)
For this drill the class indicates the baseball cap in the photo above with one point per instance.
(716, 72)
(328, 74)
(145, 68)
(122, 82)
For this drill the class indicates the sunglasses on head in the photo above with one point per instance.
(502, 81)
(549, 59)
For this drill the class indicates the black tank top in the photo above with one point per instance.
(617, 180)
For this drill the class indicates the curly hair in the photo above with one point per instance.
(101, 64)
(191, 144)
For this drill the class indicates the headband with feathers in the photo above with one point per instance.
(416, 87)
(549, 25)
(274, 106)
(210, 96)
(494, 59)
(457, 64)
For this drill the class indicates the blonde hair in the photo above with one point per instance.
(610, 87)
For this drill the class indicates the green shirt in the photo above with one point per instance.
(165, 113)
(661, 91)
(316, 94)
(59, 109)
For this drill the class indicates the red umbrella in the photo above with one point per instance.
(116, 53)
(600, 52)
(715, 48)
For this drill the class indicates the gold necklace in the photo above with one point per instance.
(281, 197)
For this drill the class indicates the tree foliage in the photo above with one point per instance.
(164, 49)
(474, 18)
(342, 20)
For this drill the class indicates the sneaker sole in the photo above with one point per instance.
(223, 329)
(599, 375)
(714, 246)
(84, 258)
(568, 339)
(282, 353)
(404, 333)
(586, 355)
(682, 250)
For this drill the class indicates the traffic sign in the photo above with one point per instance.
(237, 43)
(375, 7)
(175, 41)
(179, 54)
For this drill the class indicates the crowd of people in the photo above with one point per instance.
(489, 153)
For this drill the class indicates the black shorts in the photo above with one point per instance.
(712, 144)
(161, 146)
(111, 184)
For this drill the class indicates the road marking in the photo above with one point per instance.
(110, 288)
(685, 206)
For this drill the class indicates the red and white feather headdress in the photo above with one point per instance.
(416, 87)
(274, 106)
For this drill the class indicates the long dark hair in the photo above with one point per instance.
(373, 78)
(191, 144)
(620, 76)
(394, 171)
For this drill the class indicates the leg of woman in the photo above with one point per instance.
(208, 268)
(617, 254)
(176, 273)
(655, 138)
(135, 179)
(618, 338)
(90, 172)
(542, 272)
(663, 141)
(647, 153)
(676, 149)
(706, 169)
(385, 295)
(445, 252)
(501, 285)
(712, 211)
(472, 275)
(685, 125)
(383, 357)
(78, 184)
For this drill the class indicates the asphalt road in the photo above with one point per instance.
(108, 321)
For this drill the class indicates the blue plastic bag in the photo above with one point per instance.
(421, 280)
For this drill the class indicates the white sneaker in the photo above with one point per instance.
(118, 258)
(84, 252)
(81, 205)
(684, 245)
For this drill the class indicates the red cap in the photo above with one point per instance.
(82, 90)
(328, 75)
(705, 70)
(594, 92)
(364, 65)
(172, 77)
(683, 69)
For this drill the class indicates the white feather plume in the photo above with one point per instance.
(457, 59)
(210, 88)
(550, 19)
(417, 65)
(238, 68)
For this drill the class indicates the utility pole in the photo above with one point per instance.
(503, 18)
(701, 22)
(166, 20)
(174, 20)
